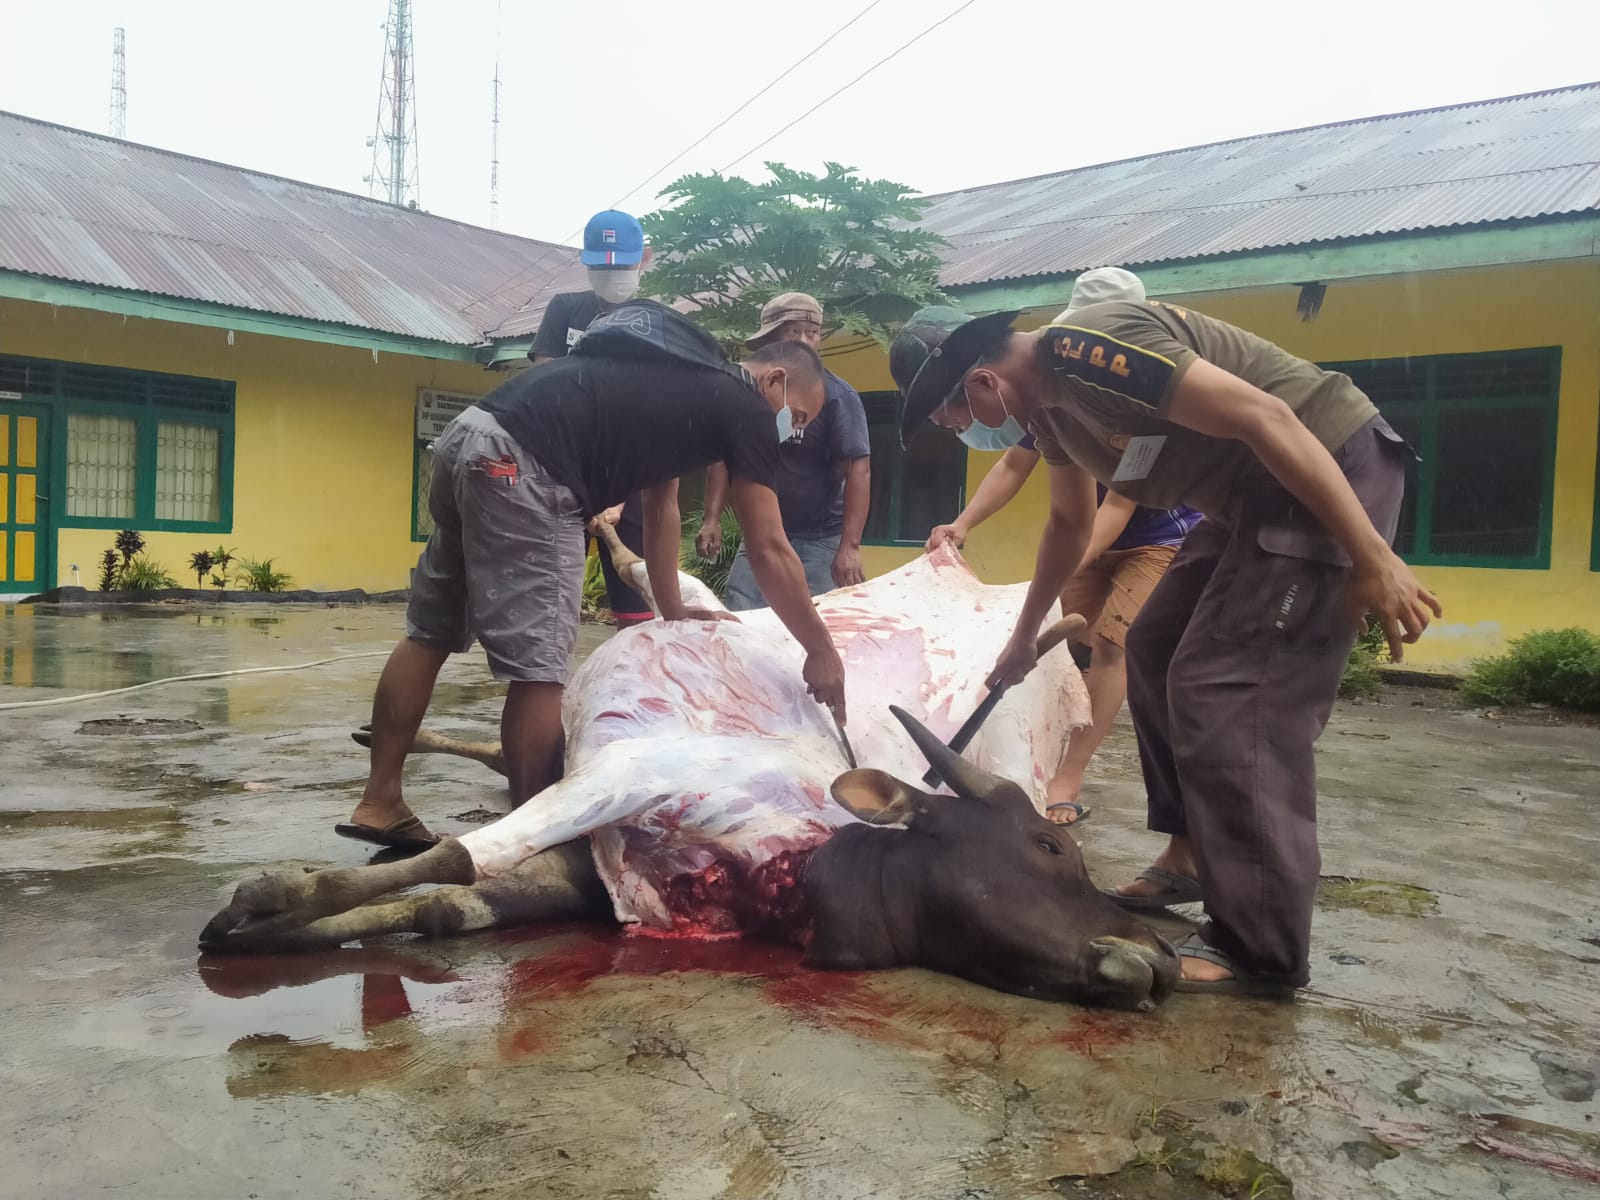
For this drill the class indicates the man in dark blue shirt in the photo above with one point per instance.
(824, 480)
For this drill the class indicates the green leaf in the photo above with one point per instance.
(728, 245)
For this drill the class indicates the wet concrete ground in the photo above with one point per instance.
(1448, 1047)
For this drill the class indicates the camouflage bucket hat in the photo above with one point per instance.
(933, 353)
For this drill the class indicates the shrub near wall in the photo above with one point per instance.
(1547, 666)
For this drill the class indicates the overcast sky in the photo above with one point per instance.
(595, 96)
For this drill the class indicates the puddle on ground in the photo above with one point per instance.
(284, 1004)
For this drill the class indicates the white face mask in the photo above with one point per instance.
(614, 284)
(786, 429)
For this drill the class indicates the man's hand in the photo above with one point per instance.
(824, 676)
(1016, 660)
(689, 613)
(610, 516)
(708, 542)
(847, 568)
(1396, 599)
(942, 534)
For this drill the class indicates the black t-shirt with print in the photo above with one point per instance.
(610, 427)
(565, 317)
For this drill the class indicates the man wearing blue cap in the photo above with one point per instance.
(615, 255)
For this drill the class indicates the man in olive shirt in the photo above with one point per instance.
(1235, 660)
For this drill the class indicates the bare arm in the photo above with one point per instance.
(708, 541)
(782, 581)
(1061, 547)
(1109, 522)
(999, 487)
(1212, 401)
(662, 529)
(847, 568)
(543, 358)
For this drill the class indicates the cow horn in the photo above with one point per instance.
(968, 781)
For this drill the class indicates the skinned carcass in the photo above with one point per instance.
(706, 794)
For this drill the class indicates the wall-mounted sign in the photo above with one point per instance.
(436, 409)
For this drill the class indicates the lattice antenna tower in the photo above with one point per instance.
(494, 154)
(394, 144)
(494, 131)
(119, 84)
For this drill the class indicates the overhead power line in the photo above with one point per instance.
(528, 271)
(774, 82)
(846, 87)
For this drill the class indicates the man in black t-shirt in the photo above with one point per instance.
(516, 477)
(615, 254)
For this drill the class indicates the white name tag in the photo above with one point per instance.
(572, 337)
(1138, 458)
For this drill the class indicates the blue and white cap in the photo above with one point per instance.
(612, 239)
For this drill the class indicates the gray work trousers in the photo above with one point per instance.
(1233, 667)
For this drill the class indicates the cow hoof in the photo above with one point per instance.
(275, 902)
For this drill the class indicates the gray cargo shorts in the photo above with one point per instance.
(505, 562)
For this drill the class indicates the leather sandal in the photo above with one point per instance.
(1238, 984)
(1178, 889)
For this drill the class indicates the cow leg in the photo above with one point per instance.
(487, 753)
(271, 904)
(559, 883)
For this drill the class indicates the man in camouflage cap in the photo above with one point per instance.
(1235, 660)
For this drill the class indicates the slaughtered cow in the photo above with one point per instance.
(707, 795)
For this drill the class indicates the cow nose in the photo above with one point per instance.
(1142, 974)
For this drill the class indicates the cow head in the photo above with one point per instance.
(977, 885)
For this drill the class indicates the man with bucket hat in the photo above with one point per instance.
(1129, 552)
(1235, 660)
(824, 476)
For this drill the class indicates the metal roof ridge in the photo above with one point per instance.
(301, 183)
(1251, 137)
(1226, 205)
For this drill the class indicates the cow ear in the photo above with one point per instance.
(876, 797)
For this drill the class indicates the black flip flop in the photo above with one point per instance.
(1179, 889)
(395, 837)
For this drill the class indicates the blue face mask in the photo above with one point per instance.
(990, 437)
(987, 437)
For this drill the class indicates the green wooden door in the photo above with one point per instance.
(24, 497)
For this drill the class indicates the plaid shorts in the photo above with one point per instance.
(505, 562)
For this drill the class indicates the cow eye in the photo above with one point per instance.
(1049, 846)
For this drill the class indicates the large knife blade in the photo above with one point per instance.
(844, 740)
(1068, 627)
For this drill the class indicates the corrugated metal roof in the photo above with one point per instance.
(1496, 160)
(85, 208)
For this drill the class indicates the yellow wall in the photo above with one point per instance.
(322, 435)
(1449, 312)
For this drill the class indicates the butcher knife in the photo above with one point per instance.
(1069, 626)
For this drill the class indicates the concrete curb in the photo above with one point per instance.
(1415, 677)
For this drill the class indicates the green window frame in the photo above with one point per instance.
(149, 399)
(914, 488)
(421, 479)
(1432, 401)
(1594, 524)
